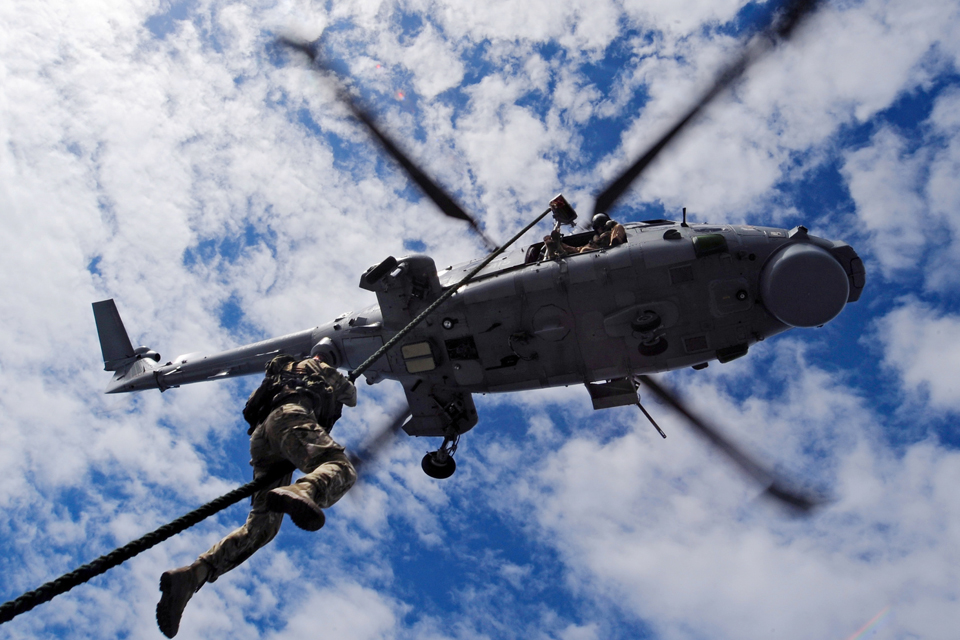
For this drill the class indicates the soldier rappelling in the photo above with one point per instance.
(290, 416)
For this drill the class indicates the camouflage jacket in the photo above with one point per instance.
(313, 384)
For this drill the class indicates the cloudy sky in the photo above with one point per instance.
(167, 155)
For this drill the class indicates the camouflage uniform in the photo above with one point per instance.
(613, 236)
(292, 432)
(618, 235)
(296, 430)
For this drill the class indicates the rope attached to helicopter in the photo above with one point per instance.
(50, 590)
(64, 583)
(104, 563)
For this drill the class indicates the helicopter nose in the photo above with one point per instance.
(804, 286)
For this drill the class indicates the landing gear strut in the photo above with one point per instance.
(440, 464)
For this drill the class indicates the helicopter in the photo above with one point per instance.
(672, 295)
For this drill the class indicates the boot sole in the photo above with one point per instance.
(304, 514)
(165, 617)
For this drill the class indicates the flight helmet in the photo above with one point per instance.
(599, 222)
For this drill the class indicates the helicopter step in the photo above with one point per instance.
(621, 392)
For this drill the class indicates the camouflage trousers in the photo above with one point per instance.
(289, 433)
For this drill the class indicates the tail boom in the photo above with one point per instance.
(137, 369)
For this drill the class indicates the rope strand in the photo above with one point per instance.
(64, 583)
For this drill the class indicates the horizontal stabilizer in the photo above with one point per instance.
(114, 342)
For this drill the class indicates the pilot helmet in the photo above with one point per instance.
(599, 222)
(327, 352)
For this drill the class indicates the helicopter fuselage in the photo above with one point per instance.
(672, 296)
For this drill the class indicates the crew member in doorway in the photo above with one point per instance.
(554, 247)
(607, 234)
(290, 417)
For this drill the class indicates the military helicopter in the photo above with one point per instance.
(673, 295)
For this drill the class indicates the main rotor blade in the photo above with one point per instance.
(370, 451)
(781, 27)
(428, 186)
(773, 486)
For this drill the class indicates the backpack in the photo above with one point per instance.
(260, 403)
(325, 406)
(279, 383)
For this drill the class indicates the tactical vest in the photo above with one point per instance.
(281, 383)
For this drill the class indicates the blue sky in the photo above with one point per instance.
(164, 154)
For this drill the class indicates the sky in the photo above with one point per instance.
(170, 156)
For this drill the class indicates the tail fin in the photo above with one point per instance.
(114, 341)
(118, 352)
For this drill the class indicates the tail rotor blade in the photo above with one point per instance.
(773, 486)
(428, 186)
(782, 26)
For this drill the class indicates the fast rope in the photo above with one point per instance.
(64, 583)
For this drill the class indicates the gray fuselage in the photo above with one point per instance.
(527, 322)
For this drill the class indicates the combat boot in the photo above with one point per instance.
(177, 587)
(297, 501)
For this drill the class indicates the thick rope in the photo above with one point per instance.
(64, 583)
(52, 589)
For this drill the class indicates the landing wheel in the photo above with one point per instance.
(645, 321)
(654, 348)
(435, 469)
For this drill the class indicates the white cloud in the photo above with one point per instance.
(922, 345)
(906, 198)
(429, 50)
(347, 611)
(884, 180)
(665, 530)
(943, 192)
(577, 632)
(683, 17)
(129, 151)
(849, 63)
